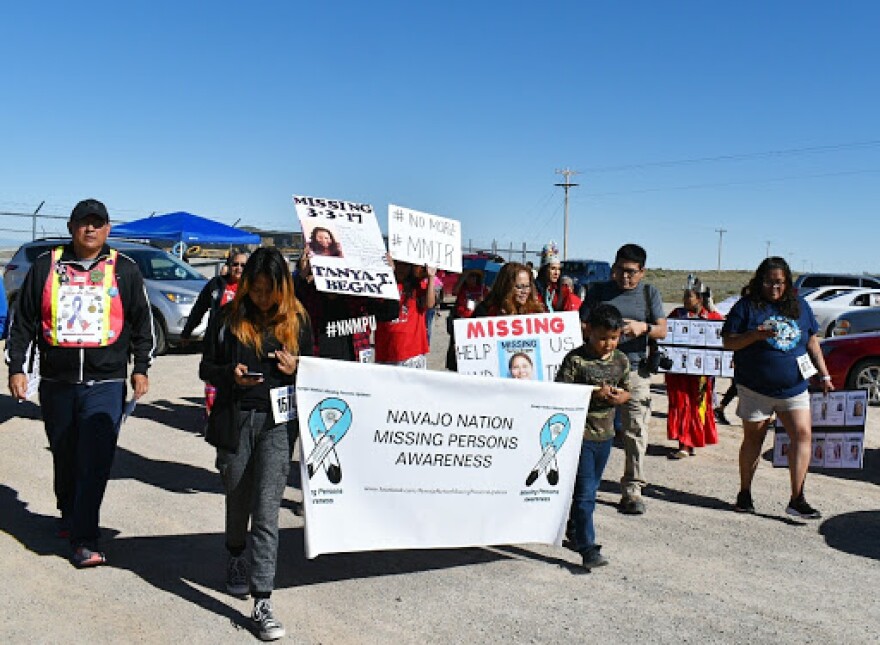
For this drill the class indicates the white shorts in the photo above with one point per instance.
(755, 407)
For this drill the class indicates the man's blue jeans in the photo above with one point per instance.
(594, 456)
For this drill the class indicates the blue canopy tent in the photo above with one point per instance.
(185, 229)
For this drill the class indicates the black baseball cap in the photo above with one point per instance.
(89, 207)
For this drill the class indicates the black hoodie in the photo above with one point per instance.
(78, 364)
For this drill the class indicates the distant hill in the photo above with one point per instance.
(671, 282)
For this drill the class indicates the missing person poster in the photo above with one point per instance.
(421, 238)
(345, 247)
(838, 420)
(695, 347)
(481, 461)
(529, 347)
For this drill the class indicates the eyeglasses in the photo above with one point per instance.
(522, 287)
(628, 272)
(774, 285)
(237, 264)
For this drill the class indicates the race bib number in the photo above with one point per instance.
(283, 403)
(806, 366)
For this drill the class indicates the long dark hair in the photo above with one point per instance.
(333, 250)
(410, 282)
(788, 305)
(247, 323)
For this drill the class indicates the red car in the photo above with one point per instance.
(854, 363)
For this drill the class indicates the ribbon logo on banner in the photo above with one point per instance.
(328, 423)
(553, 435)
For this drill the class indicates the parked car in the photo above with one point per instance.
(854, 363)
(857, 321)
(806, 280)
(172, 286)
(828, 308)
(828, 291)
(583, 272)
(485, 263)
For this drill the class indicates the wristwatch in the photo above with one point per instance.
(648, 329)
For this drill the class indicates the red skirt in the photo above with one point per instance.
(691, 418)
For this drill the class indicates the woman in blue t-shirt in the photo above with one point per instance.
(773, 335)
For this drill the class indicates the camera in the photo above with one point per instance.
(655, 361)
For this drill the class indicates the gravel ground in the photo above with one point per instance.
(690, 570)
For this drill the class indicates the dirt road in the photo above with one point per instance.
(690, 570)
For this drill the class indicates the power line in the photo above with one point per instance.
(748, 155)
(729, 184)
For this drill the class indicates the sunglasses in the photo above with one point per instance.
(237, 264)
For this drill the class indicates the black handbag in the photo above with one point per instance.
(223, 423)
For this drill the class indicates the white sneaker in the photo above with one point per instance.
(268, 629)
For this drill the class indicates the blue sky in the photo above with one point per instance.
(463, 109)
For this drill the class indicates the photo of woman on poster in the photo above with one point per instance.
(521, 366)
(322, 242)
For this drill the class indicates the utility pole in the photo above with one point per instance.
(768, 249)
(567, 173)
(34, 224)
(721, 232)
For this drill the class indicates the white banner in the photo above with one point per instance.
(346, 248)
(397, 458)
(422, 238)
(527, 347)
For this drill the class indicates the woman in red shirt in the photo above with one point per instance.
(556, 294)
(471, 293)
(404, 341)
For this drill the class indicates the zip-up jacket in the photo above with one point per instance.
(82, 364)
(208, 300)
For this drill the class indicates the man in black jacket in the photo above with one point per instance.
(84, 307)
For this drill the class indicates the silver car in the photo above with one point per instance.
(172, 285)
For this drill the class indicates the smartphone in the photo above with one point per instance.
(253, 375)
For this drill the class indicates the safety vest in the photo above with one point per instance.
(82, 308)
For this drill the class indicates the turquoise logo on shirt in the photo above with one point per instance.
(788, 332)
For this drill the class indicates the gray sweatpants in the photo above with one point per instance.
(254, 479)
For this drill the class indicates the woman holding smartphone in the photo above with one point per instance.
(251, 354)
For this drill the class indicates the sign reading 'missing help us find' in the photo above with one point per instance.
(480, 461)
(345, 247)
(422, 238)
(529, 347)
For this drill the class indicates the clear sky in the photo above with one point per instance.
(683, 117)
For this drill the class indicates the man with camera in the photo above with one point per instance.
(642, 310)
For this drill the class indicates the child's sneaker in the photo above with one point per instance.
(744, 502)
(800, 508)
(237, 576)
(268, 629)
(594, 558)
